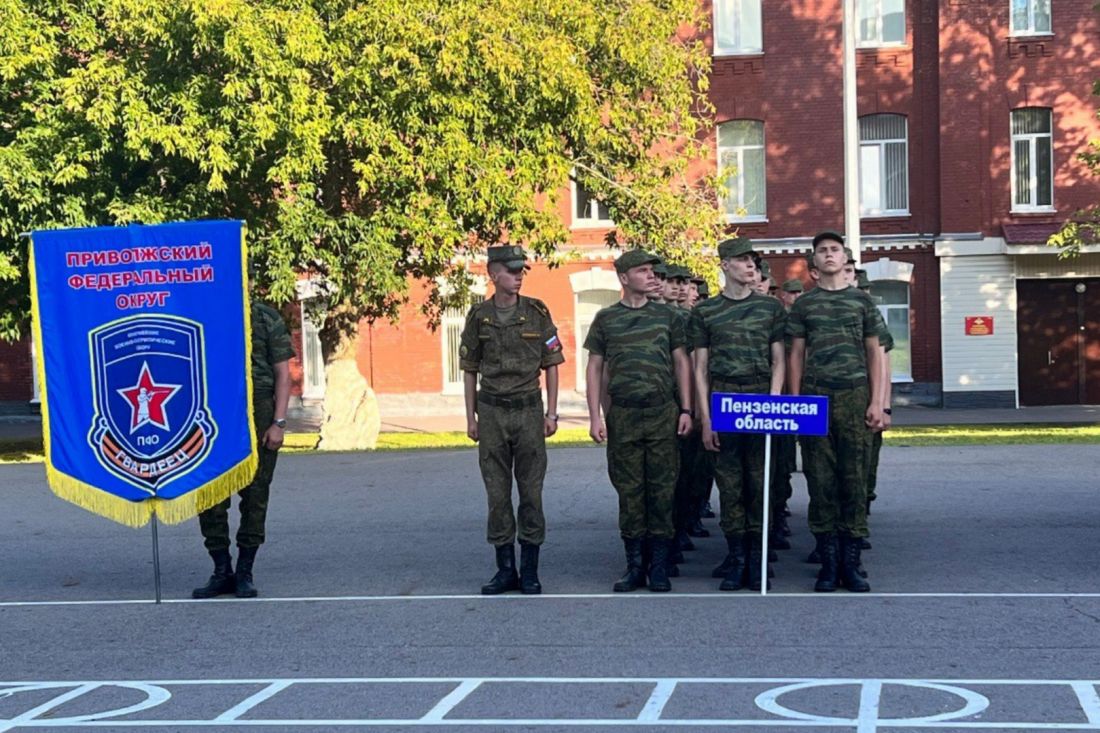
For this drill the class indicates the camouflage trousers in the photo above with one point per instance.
(643, 462)
(783, 465)
(835, 465)
(739, 472)
(214, 522)
(686, 500)
(875, 448)
(511, 440)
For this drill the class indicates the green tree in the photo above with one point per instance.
(1083, 228)
(365, 142)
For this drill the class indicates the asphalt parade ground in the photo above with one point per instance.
(984, 615)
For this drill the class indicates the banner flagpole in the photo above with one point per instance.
(156, 559)
(767, 504)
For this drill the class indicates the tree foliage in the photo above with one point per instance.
(364, 142)
(1084, 227)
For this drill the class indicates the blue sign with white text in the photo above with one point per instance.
(775, 414)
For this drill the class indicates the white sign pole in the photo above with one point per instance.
(767, 501)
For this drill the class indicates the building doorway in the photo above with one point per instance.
(1058, 329)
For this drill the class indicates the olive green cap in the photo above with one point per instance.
(863, 280)
(660, 268)
(828, 234)
(765, 270)
(850, 255)
(677, 272)
(636, 258)
(704, 289)
(511, 256)
(794, 285)
(734, 247)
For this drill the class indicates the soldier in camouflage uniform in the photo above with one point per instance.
(271, 353)
(509, 339)
(738, 340)
(835, 353)
(863, 282)
(644, 345)
(785, 448)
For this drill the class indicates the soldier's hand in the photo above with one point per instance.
(273, 438)
(710, 439)
(549, 426)
(887, 421)
(684, 427)
(597, 431)
(471, 430)
(873, 418)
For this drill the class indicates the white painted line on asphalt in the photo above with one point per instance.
(450, 701)
(655, 705)
(636, 597)
(1090, 701)
(29, 716)
(869, 696)
(250, 702)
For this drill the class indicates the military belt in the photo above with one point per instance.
(835, 383)
(530, 399)
(747, 382)
(655, 401)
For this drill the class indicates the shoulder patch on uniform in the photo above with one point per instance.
(462, 351)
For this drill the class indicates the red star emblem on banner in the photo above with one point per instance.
(147, 400)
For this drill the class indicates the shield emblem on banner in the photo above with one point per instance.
(151, 424)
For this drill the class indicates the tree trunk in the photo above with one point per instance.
(351, 420)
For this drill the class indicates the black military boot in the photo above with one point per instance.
(850, 566)
(756, 556)
(696, 528)
(658, 566)
(245, 557)
(506, 578)
(708, 511)
(222, 581)
(634, 577)
(683, 539)
(733, 566)
(529, 584)
(864, 544)
(782, 531)
(827, 576)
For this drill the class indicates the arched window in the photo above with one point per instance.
(741, 165)
(883, 165)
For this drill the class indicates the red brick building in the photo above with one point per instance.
(972, 114)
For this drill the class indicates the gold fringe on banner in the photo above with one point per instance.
(138, 513)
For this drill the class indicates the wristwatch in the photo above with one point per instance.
(279, 422)
(887, 411)
(551, 417)
(690, 413)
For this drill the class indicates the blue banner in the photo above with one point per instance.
(143, 338)
(775, 414)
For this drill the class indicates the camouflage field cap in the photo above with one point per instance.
(850, 255)
(660, 269)
(636, 258)
(829, 235)
(511, 256)
(765, 270)
(704, 289)
(734, 247)
(676, 272)
(863, 280)
(794, 285)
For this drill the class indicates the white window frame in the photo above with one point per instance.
(1030, 30)
(739, 174)
(587, 222)
(452, 321)
(1033, 158)
(313, 375)
(877, 41)
(36, 388)
(739, 14)
(898, 376)
(587, 281)
(866, 212)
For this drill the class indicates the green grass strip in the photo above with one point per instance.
(30, 451)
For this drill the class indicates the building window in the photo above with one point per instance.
(588, 304)
(1032, 160)
(741, 166)
(313, 360)
(451, 325)
(1030, 17)
(737, 27)
(880, 23)
(588, 211)
(883, 165)
(892, 299)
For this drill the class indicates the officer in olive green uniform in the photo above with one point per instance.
(643, 344)
(509, 339)
(271, 352)
(886, 339)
